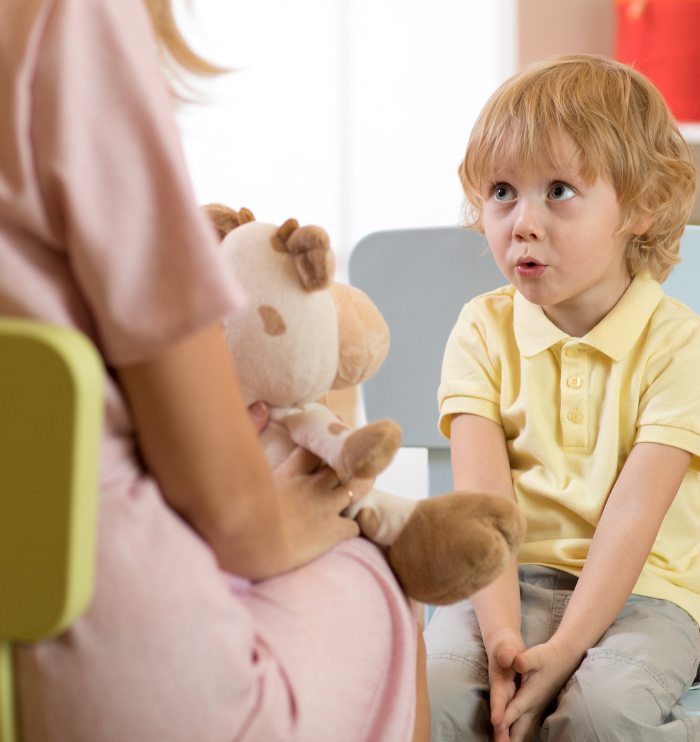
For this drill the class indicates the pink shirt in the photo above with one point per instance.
(79, 140)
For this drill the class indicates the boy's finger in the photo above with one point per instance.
(501, 696)
(515, 709)
(505, 658)
(521, 705)
(525, 662)
(521, 731)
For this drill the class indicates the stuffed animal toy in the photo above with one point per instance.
(300, 336)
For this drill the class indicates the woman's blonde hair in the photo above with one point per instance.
(624, 133)
(177, 54)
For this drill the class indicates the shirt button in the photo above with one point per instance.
(574, 382)
(572, 352)
(574, 416)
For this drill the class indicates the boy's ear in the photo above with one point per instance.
(643, 221)
(640, 217)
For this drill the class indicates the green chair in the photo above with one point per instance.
(51, 392)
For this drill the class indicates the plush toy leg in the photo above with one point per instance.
(364, 452)
(453, 545)
(369, 450)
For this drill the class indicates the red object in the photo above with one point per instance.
(661, 39)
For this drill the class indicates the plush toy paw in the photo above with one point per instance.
(455, 544)
(369, 522)
(369, 450)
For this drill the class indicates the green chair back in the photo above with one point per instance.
(51, 400)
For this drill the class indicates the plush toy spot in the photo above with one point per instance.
(337, 428)
(272, 320)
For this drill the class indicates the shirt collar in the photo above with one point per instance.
(614, 335)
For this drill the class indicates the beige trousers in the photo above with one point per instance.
(627, 688)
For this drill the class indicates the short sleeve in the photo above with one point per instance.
(114, 183)
(469, 383)
(669, 409)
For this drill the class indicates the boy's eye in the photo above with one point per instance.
(503, 192)
(561, 192)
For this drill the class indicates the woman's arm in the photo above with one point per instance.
(480, 464)
(198, 441)
(623, 539)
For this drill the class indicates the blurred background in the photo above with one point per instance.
(354, 114)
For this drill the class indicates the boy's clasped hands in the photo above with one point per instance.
(524, 682)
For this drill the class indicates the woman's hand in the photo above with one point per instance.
(311, 501)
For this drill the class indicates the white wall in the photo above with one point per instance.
(417, 74)
(351, 114)
(269, 136)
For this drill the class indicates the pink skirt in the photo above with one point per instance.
(174, 649)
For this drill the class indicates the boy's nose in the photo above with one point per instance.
(528, 224)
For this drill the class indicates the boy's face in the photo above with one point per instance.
(553, 237)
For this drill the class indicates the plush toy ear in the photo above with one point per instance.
(225, 218)
(311, 251)
(363, 336)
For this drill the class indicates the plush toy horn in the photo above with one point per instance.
(225, 218)
(310, 249)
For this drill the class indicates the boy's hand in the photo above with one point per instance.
(544, 670)
(502, 649)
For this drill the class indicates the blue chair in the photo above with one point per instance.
(420, 279)
(51, 393)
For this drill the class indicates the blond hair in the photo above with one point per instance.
(177, 55)
(624, 133)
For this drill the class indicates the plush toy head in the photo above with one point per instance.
(300, 334)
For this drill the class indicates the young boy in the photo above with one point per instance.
(576, 391)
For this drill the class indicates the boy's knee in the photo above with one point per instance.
(609, 698)
(585, 712)
(459, 704)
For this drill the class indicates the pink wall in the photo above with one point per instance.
(548, 27)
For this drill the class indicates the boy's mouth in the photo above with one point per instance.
(529, 268)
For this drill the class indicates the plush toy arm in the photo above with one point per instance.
(316, 428)
(351, 453)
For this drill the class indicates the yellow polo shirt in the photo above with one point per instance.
(573, 408)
